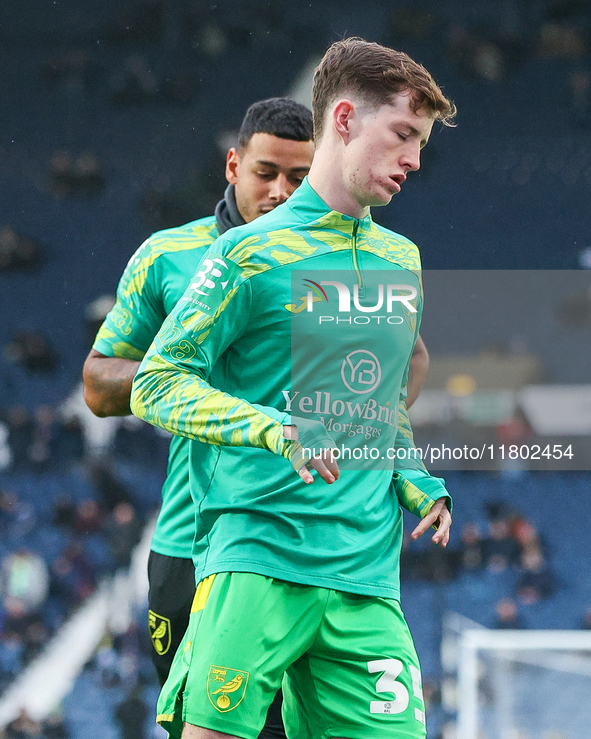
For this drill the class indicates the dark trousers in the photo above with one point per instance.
(170, 596)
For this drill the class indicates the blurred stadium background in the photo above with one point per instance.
(115, 119)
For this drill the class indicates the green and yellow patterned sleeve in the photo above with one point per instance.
(130, 327)
(170, 389)
(416, 489)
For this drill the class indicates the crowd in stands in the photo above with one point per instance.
(511, 544)
(24, 727)
(55, 550)
(75, 175)
(18, 252)
(38, 590)
(50, 439)
(122, 663)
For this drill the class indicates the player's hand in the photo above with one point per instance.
(326, 466)
(325, 463)
(439, 517)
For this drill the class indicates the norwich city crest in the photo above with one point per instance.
(160, 632)
(226, 687)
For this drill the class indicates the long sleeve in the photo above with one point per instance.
(132, 323)
(171, 390)
(416, 489)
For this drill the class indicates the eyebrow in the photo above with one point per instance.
(274, 165)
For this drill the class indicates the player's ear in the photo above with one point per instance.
(342, 115)
(232, 162)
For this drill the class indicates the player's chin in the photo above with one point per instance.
(383, 197)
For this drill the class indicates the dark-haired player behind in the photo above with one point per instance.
(273, 156)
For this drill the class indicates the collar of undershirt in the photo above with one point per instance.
(226, 212)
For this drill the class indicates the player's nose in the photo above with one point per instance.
(280, 188)
(411, 158)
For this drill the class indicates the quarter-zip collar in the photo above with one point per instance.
(307, 204)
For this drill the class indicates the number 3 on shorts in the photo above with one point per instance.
(387, 683)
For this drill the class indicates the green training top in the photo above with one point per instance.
(151, 285)
(277, 310)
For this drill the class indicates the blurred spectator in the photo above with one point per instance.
(526, 535)
(74, 69)
(73, 576)
(18, 252)
(110, 491)
(88, 519)
(474, 57)
(81, 175)
(586, 621)
(562, 40)
(54, 726)
(64, 511)
(23, 727)
(98, 434)
(580, 102)
(24, 582)
(11, 654)
(40, 441)
(36, 637)
(507, 616)
(138, 83)
(131, 715)
(106, 660)
(31, 350)
(472, 547)
(20, 434)
(8, 504)
(17, 516)
(44, 437)
(128, 646)
(500, 548)
(70, 446)
(536, 581)
(123, 530)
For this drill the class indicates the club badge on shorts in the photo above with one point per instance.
(160, 632)
(226, 687)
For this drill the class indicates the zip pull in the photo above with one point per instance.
(360, 283)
